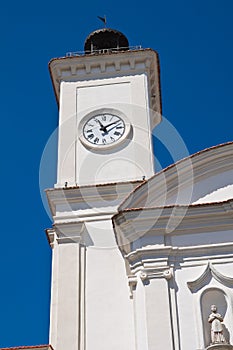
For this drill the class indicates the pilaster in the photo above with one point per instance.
(68, 284)
(152, 308)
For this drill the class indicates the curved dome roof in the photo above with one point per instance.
(204, 177)
(105, 38)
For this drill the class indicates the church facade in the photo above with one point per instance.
(141, 260)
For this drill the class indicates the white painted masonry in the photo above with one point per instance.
(131, 87)
(138, 257)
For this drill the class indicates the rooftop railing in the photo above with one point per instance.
(111, 50)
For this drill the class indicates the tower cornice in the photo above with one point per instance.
(104, 65)
(87, 201)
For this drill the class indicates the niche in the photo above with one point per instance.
(213, 296)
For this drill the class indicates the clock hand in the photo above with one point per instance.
(102, 127)
(107, 131)
(106, 126)
(113, 126)
(100, 124)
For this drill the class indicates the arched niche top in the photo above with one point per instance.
(220, 347)
(209, 273)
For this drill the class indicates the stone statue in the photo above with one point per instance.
(216, 319)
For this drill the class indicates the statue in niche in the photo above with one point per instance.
(216, 319)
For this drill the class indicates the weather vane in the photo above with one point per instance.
(103, 19)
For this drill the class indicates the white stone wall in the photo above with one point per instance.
(132, 159)
(109, 309)
(192, 313)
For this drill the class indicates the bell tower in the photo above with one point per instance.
(109, 102)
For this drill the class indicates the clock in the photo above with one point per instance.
(104, 129)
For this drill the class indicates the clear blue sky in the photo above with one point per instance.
(195, 41)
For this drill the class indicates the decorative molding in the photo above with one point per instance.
(210, 272)
(151, 257)
(165, 222)
(151, 274)
(88, 198)
(132, 281)
(65, 233)
(220, 347)
(50, 234)
(146, 275)
(105, 65)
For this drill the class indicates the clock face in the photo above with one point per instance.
(103, 129)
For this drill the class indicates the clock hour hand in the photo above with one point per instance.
(101, 125)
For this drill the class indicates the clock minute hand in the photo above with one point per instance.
(113, 126)
(107, 131)
(106, 126)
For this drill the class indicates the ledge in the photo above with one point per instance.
(91, 196)
(122, 63)
(132, 224)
